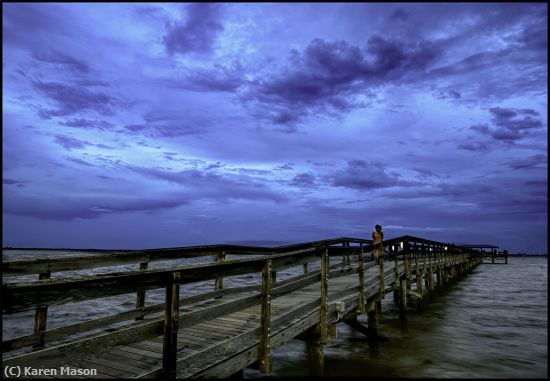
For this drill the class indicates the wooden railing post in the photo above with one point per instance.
(140, 297)
(381, 286)
(361, 307)
(171, 319)
(41, 317)
(219, 279)
(396, 273)
(265, 320)
(323, 319)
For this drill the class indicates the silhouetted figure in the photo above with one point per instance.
(378, 237)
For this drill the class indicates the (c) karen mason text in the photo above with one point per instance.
(17, 371)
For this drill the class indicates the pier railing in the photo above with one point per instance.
(414, 255)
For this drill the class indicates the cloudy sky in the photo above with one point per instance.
(136, 125)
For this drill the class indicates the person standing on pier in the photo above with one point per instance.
(377, 237)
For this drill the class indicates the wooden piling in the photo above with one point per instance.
(41, 317)
(316, 356)
(171, 320)
(403, 299)
(372, 323)
(140, 297)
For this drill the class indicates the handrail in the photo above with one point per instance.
(40, 294)
(121, 257)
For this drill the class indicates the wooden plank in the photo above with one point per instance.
(154, 356)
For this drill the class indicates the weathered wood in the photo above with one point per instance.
(265, 326)
(315, 356)
(198, 340)
(171, 320)
(41, 317)
(381, 287)
(324, 298)
(372, 324)
(218, 283)
(361, 307)
(140, 298)
(403, 300)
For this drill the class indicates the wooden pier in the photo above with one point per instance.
(218, 333)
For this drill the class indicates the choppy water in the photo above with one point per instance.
(493, 323)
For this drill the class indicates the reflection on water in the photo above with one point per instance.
(493, 323)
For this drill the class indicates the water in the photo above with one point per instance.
(493, 323)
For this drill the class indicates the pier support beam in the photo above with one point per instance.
(372, 326)
(403, 300)
(41, 317)
(171, 320)
(315, 355)
(140, 297)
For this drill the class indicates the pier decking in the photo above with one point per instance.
(220, 332)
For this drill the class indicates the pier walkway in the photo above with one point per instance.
(218, 333)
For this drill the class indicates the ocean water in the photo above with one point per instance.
(492, 323)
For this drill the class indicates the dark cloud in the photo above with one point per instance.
(225, 78)
(167, 129)
(362, 175)
(425, 172)
(328, 77)
(66, 61)
(17, 183)
(70, 143)
(285, 166)
(30, 24)
(70, 207)
(510, 124)
(532, 162)
(87, 123)
(208, 185)
(303, 180)
(72, 99)
(198, 32)
(476, 146)
(400, 14)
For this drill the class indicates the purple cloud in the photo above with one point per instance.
(87, 123)
(359, 174)
(303, 180)
(72, 99)
(532, 162)
(70, 143)
(64, 60)
(197, 33)
(510, 124)
(327, 77)
(208, 185)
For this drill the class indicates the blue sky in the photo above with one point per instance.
(139, 125)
